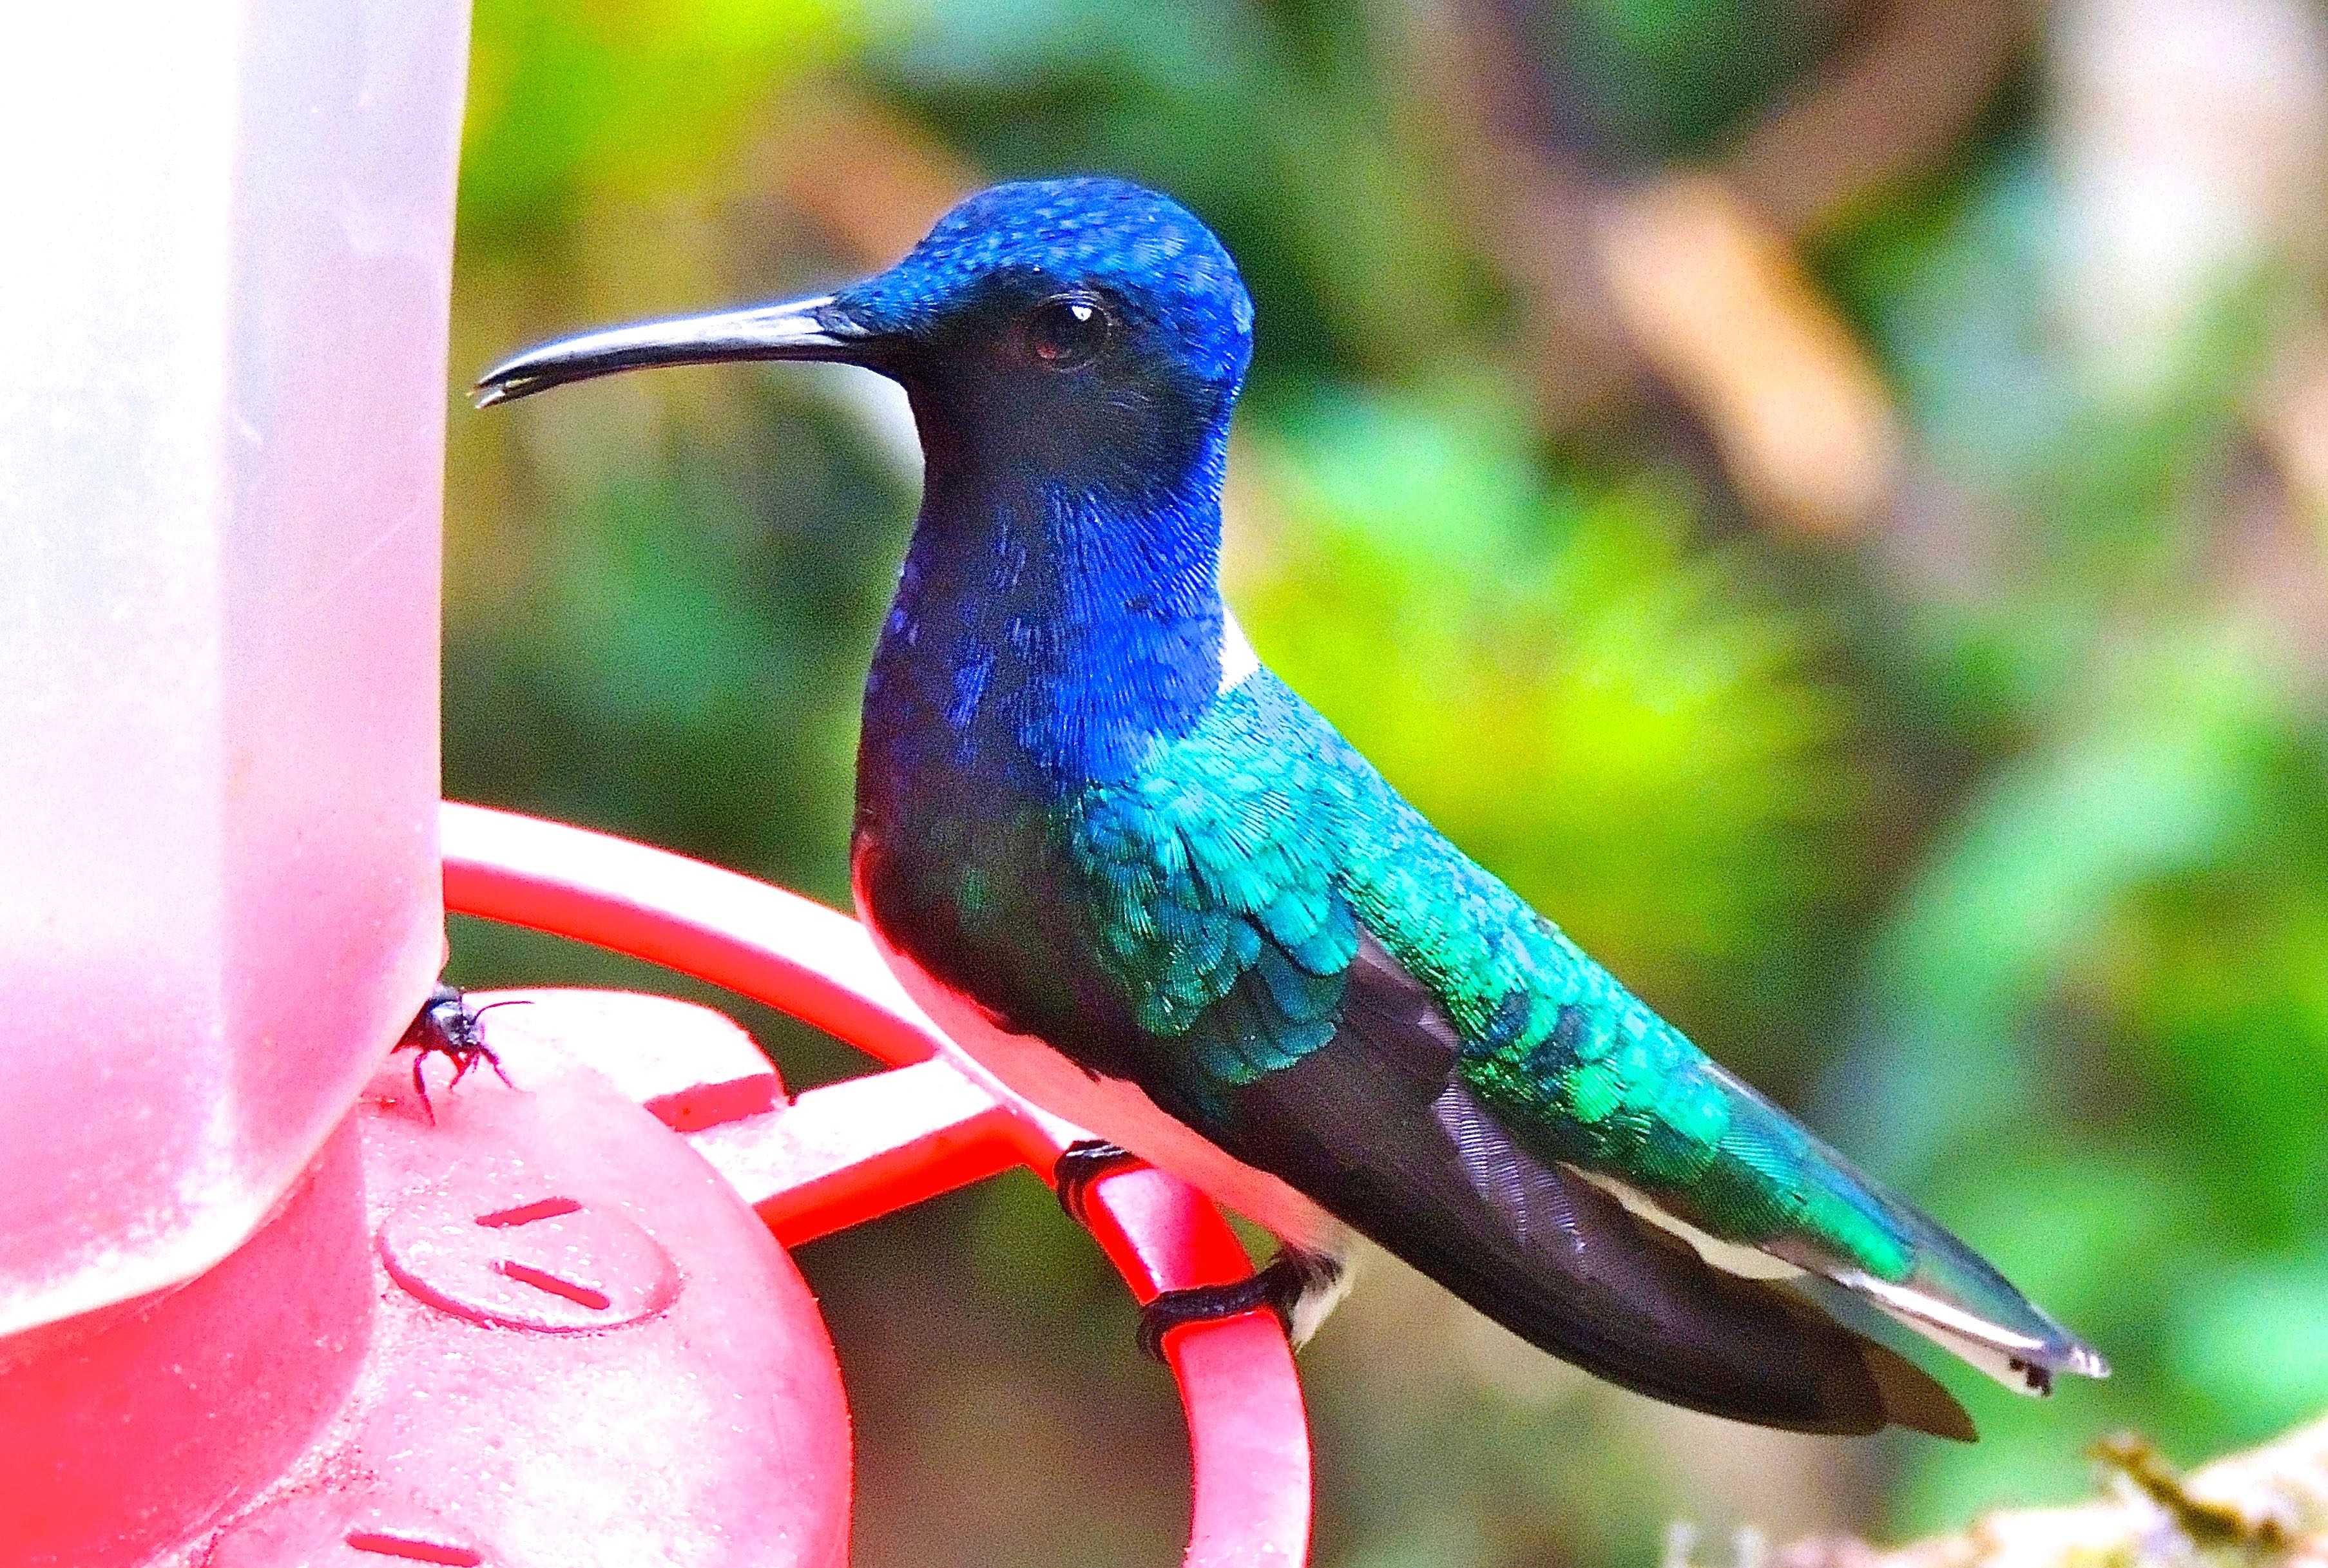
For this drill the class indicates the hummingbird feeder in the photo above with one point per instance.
(262, 1303)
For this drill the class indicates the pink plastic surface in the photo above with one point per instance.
(535, 1331)
(843, 1154)
(221, 407)
(537, 1328)
(117, 1438)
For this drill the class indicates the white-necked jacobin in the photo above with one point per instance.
(1151, 891)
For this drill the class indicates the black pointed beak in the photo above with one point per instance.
(804, 329)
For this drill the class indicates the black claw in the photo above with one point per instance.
(1082, 1163)
(447, 1026)
(1279, 1286)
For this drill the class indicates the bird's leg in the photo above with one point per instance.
(1082, 1163)
(1300, 1287)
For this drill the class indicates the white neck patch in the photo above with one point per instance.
(1238, 657)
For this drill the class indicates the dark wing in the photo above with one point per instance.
(1232, 890)
(1378, 1126)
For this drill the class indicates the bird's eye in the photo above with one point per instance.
(1068, 331)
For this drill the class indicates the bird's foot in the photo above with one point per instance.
(447, 1026)
(1287, 1285)
(1082, 1163)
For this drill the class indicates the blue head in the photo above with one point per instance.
(1071, 349)
(1086, 331)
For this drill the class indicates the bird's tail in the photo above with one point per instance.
(1860, 1242)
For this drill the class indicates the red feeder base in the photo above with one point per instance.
(540, 1330)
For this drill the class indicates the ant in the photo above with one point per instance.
(446, 1024)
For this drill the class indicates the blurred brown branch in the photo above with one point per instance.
(1881, 110)
(1717, 304)
(2266, 1506)
(1689, 280)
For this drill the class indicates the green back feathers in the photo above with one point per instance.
(1227, 885)
(1215, 897)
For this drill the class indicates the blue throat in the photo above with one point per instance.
(1071, 349)
(1045, 633)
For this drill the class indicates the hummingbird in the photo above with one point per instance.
(1146, 886)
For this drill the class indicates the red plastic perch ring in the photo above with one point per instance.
(853, 1151)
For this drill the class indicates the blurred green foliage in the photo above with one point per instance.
(1629, 710)
(1995, 837)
